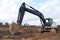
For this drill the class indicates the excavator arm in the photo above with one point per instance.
(22, 10)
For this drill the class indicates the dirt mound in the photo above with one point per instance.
(53, 31)
(28, 33)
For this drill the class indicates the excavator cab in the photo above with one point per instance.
(48, 21)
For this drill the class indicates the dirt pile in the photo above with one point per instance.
(28, 33)
(53, 31)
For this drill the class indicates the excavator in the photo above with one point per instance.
(46, 22)
(22, 10)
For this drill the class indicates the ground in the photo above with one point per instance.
(28, 33)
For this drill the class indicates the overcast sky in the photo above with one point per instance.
(9, 10)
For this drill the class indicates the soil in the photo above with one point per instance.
(28, 33)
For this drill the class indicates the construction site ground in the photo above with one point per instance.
(28, 33)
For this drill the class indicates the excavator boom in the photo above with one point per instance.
(22, 10)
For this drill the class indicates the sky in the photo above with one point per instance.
(9, 10)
